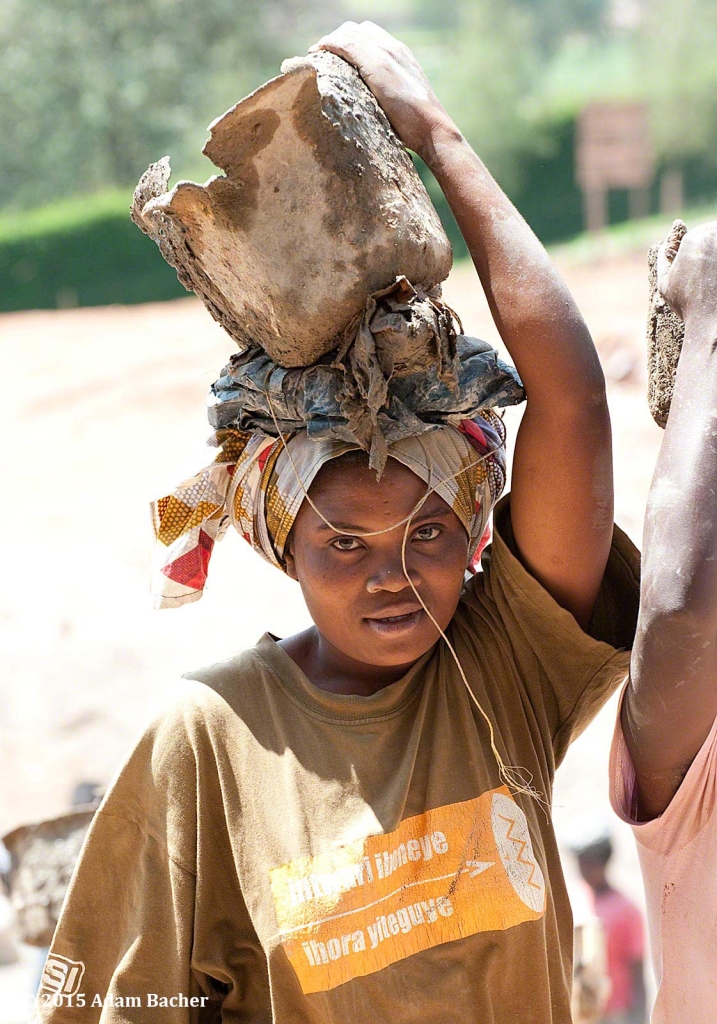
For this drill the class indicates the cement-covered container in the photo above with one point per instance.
(319, 207)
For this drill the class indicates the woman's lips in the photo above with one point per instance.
(393, 625)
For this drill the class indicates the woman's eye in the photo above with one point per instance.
(427, 533)
(345, 544)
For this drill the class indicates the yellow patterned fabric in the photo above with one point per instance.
(257, 483)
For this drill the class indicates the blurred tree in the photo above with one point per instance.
(677, 43)
(482, 61)
(92, 90)
(553, 20)
(444, 17)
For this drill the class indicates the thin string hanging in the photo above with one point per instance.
(517, 779)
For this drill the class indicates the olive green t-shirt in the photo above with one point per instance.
(272, 852)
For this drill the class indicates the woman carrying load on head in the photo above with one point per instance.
(351, 824)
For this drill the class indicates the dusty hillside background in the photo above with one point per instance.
(103, 409)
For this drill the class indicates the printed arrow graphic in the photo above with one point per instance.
(479, 866)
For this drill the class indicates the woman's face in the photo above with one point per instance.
(354, 587)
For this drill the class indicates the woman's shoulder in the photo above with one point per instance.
(176, 757)
(224, 679)
(205, 695)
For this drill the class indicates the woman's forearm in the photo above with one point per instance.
(680, 546)
(671, 703)
(562, 462)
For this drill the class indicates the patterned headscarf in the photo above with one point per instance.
(258, 482)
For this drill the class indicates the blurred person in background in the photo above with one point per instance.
(664, 756)
(8, 938)
(624, 935)
(86, 796)
(591, 981)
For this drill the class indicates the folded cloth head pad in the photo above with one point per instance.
(258, 482)
(402, 369)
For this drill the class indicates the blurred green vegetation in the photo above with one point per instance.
(627, 237)
(80, 252)
(93, 90)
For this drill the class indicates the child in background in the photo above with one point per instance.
(624, 937)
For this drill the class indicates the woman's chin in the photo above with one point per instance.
(395, 641)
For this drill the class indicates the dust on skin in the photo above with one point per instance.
(664, 495)
(602, 470)
(529, 269)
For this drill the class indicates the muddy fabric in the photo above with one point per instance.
(300, 857)
(258, 483)
(402, 369)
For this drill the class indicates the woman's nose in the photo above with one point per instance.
(391, 578)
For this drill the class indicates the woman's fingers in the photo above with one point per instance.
(687, 271)
(342, 41)
(677, 233)
(378, 34)
(392, 74)
(666, 256)
(365, 45)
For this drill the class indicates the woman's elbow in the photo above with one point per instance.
(683, 612)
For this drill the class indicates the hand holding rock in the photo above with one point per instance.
(687, 271)
(394, 76)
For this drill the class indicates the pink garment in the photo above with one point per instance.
(678, 857)
(625, 944)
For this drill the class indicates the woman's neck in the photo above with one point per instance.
(331, 670)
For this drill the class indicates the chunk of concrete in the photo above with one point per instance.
(319, 207)
(665, 335)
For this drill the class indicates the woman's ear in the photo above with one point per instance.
(289, 561)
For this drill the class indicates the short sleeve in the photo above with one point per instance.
(155, 924)
(690, 809)
(568, 673)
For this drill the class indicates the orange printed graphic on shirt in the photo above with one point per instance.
(451, 872)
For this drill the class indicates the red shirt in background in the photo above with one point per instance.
(625, 944)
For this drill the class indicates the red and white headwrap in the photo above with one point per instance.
(257, 484)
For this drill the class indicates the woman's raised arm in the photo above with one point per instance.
(561, 494)
(671, 702)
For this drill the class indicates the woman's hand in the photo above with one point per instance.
(395, 78)
(687, 271)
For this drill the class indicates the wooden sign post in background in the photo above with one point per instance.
(613, 150)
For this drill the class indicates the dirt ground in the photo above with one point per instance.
(103, 409)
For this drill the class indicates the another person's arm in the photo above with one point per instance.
(671, 702)
(561, 494)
